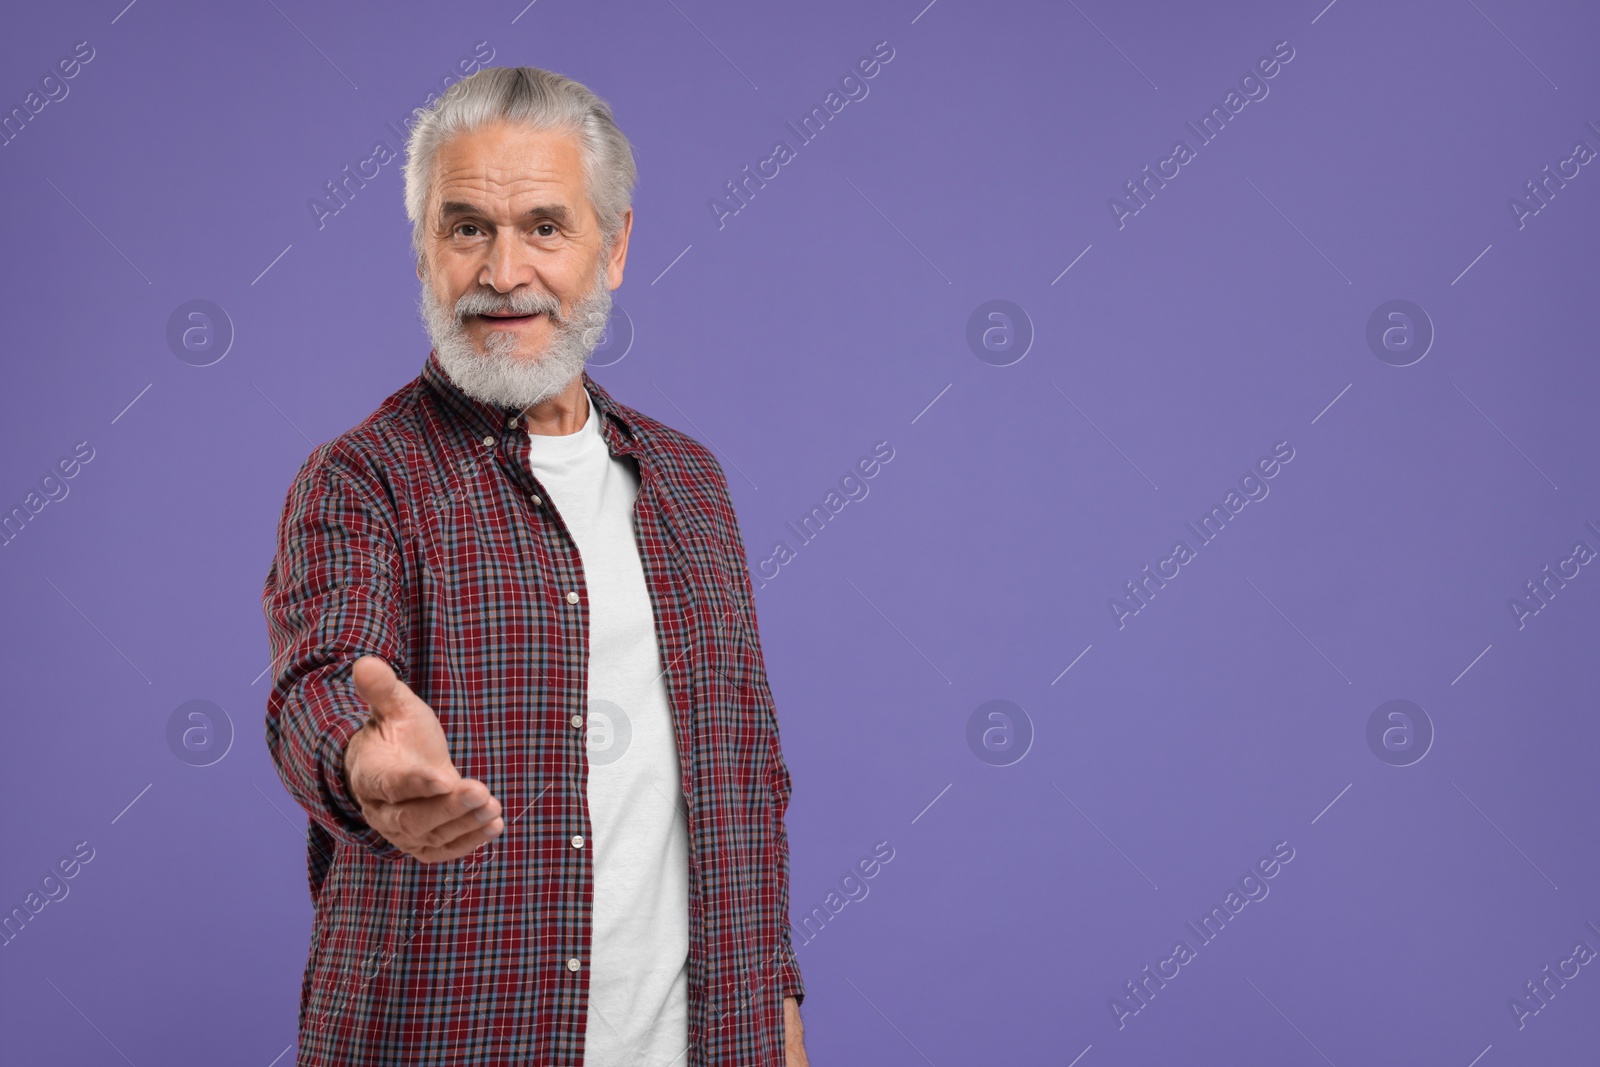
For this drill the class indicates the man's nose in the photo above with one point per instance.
(508, 265)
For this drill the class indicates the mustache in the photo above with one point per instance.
(483, 302)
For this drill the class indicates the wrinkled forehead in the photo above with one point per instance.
(504, 169)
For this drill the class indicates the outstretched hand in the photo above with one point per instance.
(399, 771)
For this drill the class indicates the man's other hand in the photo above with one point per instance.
(399, 771)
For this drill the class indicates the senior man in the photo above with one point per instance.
(518, 681)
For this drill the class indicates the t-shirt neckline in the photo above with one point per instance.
(568, 444)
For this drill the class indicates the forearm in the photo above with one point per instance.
(794, 1045)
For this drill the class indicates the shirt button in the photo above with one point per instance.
(577, 720)
(573, 964)
(535, 498)
(572, 598)
(577, 840)
(488, 441)
(511, 423)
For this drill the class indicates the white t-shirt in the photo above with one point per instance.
(639, 969)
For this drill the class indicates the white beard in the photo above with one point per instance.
(498, 374)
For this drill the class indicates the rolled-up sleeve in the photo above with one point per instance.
(333, 593)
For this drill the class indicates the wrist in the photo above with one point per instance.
(347, 760)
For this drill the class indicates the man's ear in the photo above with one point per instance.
(619, 251)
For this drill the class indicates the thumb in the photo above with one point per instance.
(384, 692)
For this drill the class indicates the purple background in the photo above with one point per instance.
(829, 314)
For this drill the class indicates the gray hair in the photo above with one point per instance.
(542, 99)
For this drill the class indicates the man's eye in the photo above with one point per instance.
(466, 226)
(547, 226)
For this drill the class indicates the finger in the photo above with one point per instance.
(381, 688)
(416, 820)
(459, 827)
(463, 845)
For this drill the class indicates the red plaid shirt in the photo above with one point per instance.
(421, 536)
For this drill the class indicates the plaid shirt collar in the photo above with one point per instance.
(474, 419)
